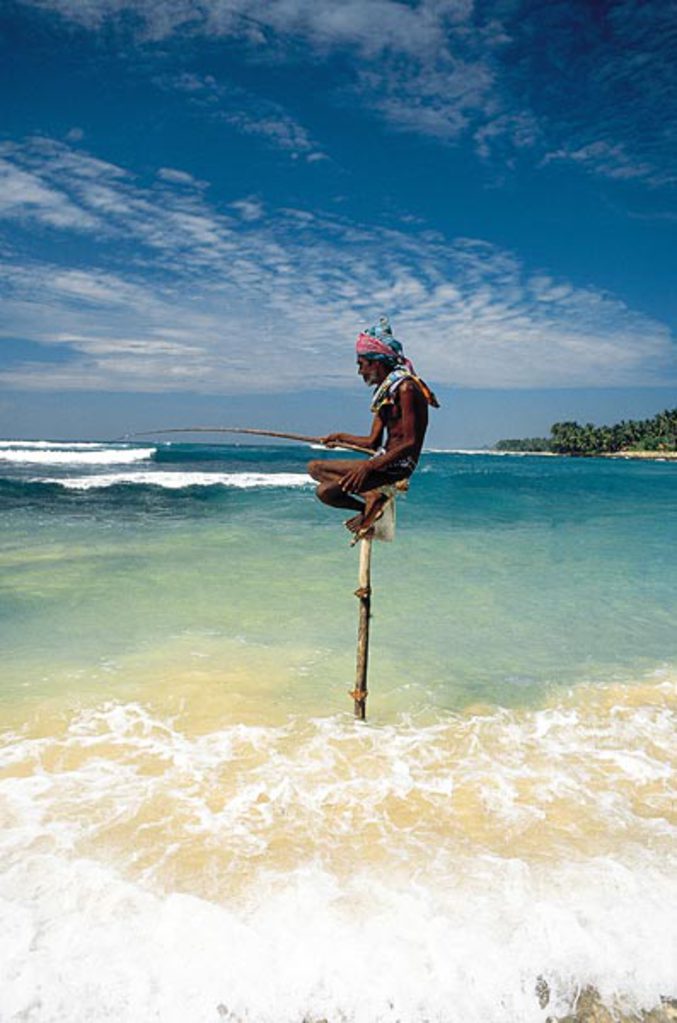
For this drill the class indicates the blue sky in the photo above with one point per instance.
(203, 201)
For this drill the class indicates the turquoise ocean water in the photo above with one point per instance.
(196, 829)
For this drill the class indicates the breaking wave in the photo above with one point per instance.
(181, 480)
(72, 455)
(56, 445)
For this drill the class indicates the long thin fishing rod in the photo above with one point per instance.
(249, 430)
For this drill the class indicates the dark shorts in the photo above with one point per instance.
(399, 470)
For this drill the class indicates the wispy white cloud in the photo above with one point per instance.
(372, 26)
(600, 81)
(179, 177)
(613, 161)
(277, 128)
(249, 208)
(565, 82)
(249, 114)
(249, 298)
(25, 195)
(438, 97)
(425, 68)
(508, 134)
(52, 184)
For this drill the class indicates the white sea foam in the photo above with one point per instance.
(83, 945)
(70, 456)
(374, 918)
(180, 480)
(56, 445)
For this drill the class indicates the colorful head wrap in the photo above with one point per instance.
(378, 343)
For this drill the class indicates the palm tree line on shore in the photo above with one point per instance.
(571, 438)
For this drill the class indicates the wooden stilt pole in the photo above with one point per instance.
(363, 593)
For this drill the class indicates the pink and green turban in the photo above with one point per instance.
(378, 343)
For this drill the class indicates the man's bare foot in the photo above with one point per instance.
(354, 524)
(362, 524)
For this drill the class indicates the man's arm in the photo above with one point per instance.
(373, 441)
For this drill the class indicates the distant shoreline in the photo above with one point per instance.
(648, 456)
(652, 456)
(653, 440)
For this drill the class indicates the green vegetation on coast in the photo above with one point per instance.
(656, 436)
(524, 444)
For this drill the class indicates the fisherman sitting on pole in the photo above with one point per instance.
(400, 405)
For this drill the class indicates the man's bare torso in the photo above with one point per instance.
(391, 416)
